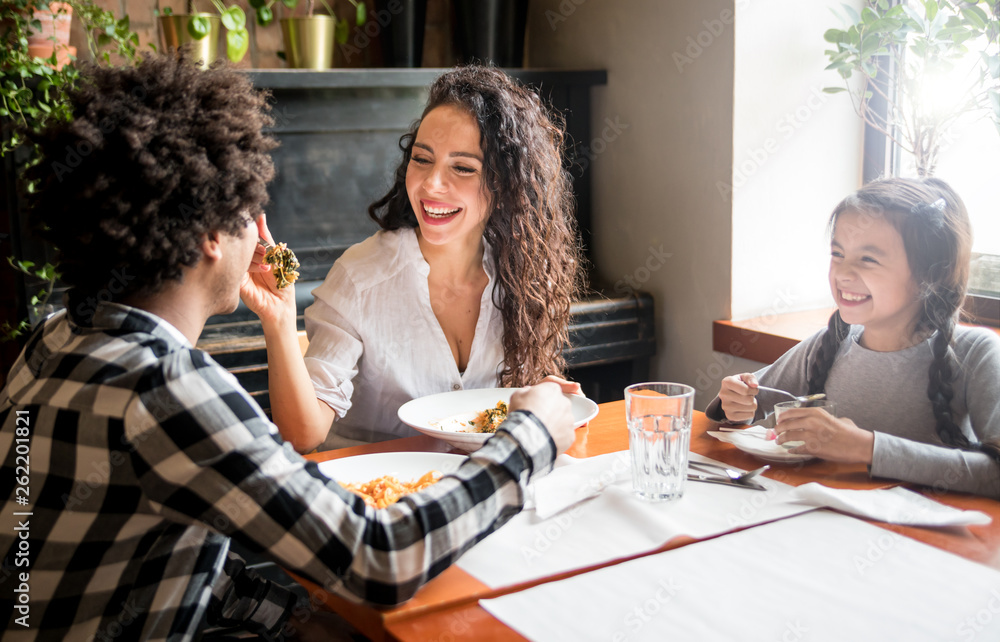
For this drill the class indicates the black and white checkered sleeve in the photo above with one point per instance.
(204, 452)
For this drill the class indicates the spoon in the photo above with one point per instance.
(802, 399)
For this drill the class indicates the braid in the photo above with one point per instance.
(941, 375)
(819, 368)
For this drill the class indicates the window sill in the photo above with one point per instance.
(766, 338)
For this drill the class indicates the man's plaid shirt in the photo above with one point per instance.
(146, 455)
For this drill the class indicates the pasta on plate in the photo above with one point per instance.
(386, 490)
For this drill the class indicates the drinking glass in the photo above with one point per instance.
(659, 434)
(782, 406)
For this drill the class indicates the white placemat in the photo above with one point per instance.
(616, 524)
(814, 577)
(893, 505)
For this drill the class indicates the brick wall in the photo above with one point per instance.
(265, 42)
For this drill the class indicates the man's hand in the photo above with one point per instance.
(546, 401)
(737, 395)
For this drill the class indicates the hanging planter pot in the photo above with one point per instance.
(403, 39)
(200, 36)
(309, 41)
(491, 31)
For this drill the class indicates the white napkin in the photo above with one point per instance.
(893, 505)
(574, 480)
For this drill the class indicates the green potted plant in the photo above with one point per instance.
(309, 38)
(32, 94)
(920, 41)
(200, 31)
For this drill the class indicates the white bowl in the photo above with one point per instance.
(446, 415)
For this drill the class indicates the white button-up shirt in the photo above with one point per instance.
(374, 342)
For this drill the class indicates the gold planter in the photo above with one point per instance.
(174, 33)
(308, 41)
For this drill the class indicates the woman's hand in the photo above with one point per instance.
(738, 394)
(568, 387)
(825, 436)
(259, 289)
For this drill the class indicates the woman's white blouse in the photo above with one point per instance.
(374, 342)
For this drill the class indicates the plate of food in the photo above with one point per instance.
(382, 478)
(758, 441)
(467, 418)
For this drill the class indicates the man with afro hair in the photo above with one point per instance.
(146, 457)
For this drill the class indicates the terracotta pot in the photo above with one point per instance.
(63, 53)
(56, 21)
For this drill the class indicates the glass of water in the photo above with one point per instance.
(659, 434)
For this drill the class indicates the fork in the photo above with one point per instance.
(734, 475)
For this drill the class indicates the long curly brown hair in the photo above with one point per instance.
(155, 157)
(937, 237)
(531, 227)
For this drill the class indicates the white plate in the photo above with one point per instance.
(751, 440)
(405, 466)
(446, 415)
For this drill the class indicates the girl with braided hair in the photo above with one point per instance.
(916, 393)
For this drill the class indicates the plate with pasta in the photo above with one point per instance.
(467, 418)
(382, 478)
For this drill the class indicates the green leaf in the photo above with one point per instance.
(291, 4)
(362, 14)
(851, 13)
(976, 16)
(342, 31)
(234, 19)
(264, 16)
(833, 90)
(834, 35)
(868, 16)
(198, 27)
(931, 7)
(992, 64)
(237, 43)
(167, 11)
(257, 4)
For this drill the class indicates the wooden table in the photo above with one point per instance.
(447, 607)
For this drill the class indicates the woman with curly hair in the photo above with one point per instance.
(467, 285)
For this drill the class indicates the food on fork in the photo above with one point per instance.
(386, 490)
(490, 419)
(285, 264)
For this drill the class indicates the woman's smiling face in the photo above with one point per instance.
(444, 178)
(871, 281)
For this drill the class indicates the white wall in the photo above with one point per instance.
(654, 185)
(657, 182)
(797, 153)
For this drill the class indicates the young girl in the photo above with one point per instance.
(916, 394)
(468, 285)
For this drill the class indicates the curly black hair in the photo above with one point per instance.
(155, 157)
(531, 227)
